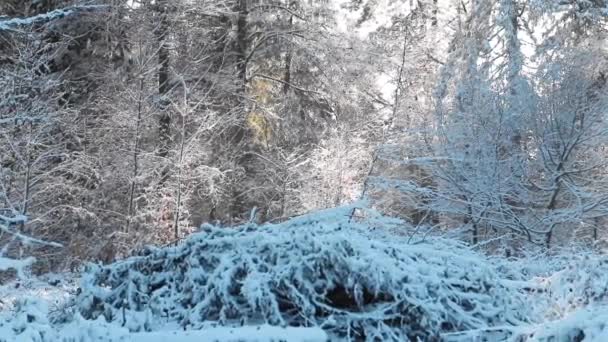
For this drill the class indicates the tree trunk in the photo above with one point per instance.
(164, 123)
(237, 132)
(241, 41)
(288, 58)
(434, 14)
(135, 155)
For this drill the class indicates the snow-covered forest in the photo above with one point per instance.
(303, 170)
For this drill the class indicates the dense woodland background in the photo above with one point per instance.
(126, 123)
(303, 170)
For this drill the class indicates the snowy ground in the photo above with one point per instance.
(44, 297)
(54, 290)
(560, 297)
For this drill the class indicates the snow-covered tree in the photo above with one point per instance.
(505, 135)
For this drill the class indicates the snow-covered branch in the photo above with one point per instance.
(14, 23)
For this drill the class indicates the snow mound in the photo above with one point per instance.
(588, 324)
(29, 323)
(322, 270)
(56, 290)
(573, 303)
(582, 283)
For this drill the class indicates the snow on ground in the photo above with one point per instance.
(28, 306)
(53, 289)
(100, 331)
(315, 278)
(587, 324)
(263, 333)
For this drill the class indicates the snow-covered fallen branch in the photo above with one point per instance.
(317, 270)
(30, 324)
(15, 264)
(13, 23)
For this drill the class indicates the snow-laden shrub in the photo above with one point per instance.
(567, 297)
(29, 323)
(353, 280)
(584, 282)
(588, 324)
(572, 304)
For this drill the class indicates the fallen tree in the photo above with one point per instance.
(352, 280)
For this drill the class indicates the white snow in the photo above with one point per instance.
(588, 323)
(99, 331)
(262, 333)
(439, 282)
(18, 265)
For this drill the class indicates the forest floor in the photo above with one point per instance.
(341, 279)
